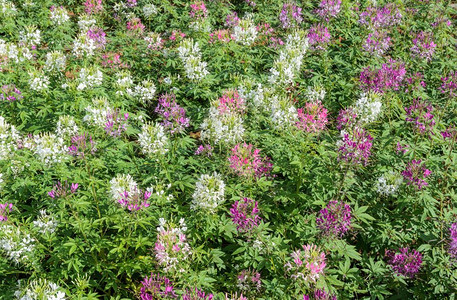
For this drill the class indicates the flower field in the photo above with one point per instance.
(217, 149)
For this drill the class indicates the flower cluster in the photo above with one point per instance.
(307, 265)
(198, 10)
(89, 78)
(328, 9)
(135, 26)
(419, 114)
(149, 10)
(249, 281)
(98, 36)
(355, 146)
(66, 126)
(381, 17)
(335, 219)
(120, 184)
(245, 32)
(55, 62)
(415, 174)
(389, 77)
(453, 240)
(153, 140)
(116, 123)
(196, 294)
(245, 215)
(377, 43)
(93, 6)
(318, 37)
(232, 19)
(135, 199)
(10, 93)
(388, 183)
(320, 294)
(173, 115)
(61, 190)
(312, 118)
(247, 162)
(220, 35)
(154, 41)
(45, 223)
(38, 81)
(156, 287)
(50, 148)
(40, 289)
(189, 53)
(368, 107)
(290, 59)
(209, 193)
(449, 85)
(18, 245)
(9, 136)
(204, 149)
(291, 15)
(5, 209)
(59, 15)
(171, 249)
(423, 45)
(407, 262)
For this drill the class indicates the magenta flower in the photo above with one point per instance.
(232, 19)
(419, 114)
(245, 215)
(423, 45)
(196, 294)
(450, 133)
(135, 26)
(171, 249)
(116, 123)
(156, 287)
(319, 37)
(135, 200)
(377, 43)
(204, 149)
(10, 93)
(328, 9)
(415, 82)
(291, 15)
(416, 173)
(131, 3)
(307, 265)
(247, 162)
(250, 2)
(406, 263)
(453, 241)
(249, 281)
(346, 118)
(449, 84)
(93, 6)
(61, 190)
(98, 36)
(381, 17)
(220, 35)
(198, 10)
(174, 116)
(389, 77)
(80, 147)
(231, 103)
(312, 118)
(5, 209)
(401, 148)
(355, 146)
(320, 295)
(113, 61)
(335, 219)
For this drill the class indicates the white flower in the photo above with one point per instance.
(120, 184)
(59, 15)
(123, 82)
(96, 114)
(283, 113)
(18, 245)
(368, 107)
(315, 94)
(149, 10)
(84, 46)
(8, 137)
(209, 193)
(85, 22)
(7, 9)
(89, 78)
(55, 62)
(39, 289)
(245, 32)
(66, 127)
(189, 53)
(38, 81)
(45, 223)
(145, 92)
(218, 128)
(30, 36)
(153, 139)
(50, 148)
(388, 183)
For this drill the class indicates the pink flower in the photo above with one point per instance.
(245, 215)
(5, 208)
(312, 118)
(307, 265)
(415, 174)
(247, 162)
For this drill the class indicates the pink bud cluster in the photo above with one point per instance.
(135, 26)
(5, 209)
(389, 77)
(419, 114)
(245, 215)
(415, 174)
(407, 262)
(220, 35)
(204, 149)
(135, 200)
(335, 219)
(312, 118)
(112, 60)
(93, 6)
(173, 115)
(247, 162)
(307, 265)
(61, 190)
(450, 133)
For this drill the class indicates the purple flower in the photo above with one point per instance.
(196, 294)
(245, 215)
(419, 114)
(174, 116)
(79, 146)
(406, 263)
(355, 146)
(249, 281)
(291, 15)
(453, 241)
(328, 9)
(450, 133)
(449, 85)
(98, 36)
(156, 287)
(247, 162)
(5, 209)
(377, 43)
(10, 93)
(346, 118)
(116, 123)
(415, 174)
(335, 219)
(423, 45)
(232, 19)
(323, 295)
(381, 17)
(389, 77)
(319, 37)
(135, 200)
(402, 148)
(415, 82)
(204, 149)
(61, 190)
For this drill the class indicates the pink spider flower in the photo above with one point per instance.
(247, 162)
(135, 200)
(335, 219)
(5, 209)
(355, 146)
(328, 9)
(307, 265)
(319, 37)
(156, 287)
(415, 174)
(423, 45)
(245, 215)
(407, 262)
(312, 118)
